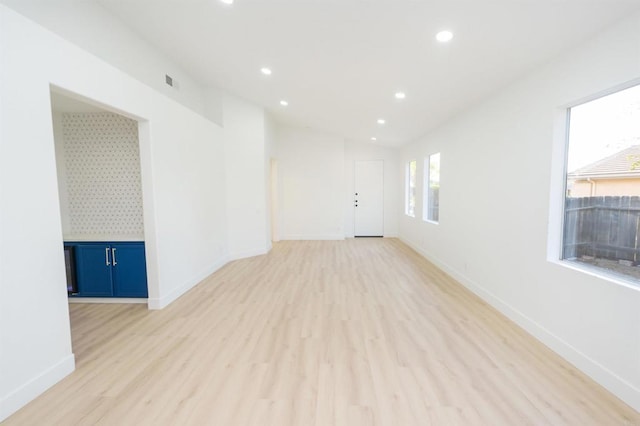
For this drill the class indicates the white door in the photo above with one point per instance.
(368, 200)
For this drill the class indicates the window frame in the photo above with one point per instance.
(427, 185)
(559, 187)
(407, 193)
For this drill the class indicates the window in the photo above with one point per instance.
(431, 207)
(410, 203)
(602, 199)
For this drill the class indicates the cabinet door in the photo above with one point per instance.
(129, 270)
(93, 267)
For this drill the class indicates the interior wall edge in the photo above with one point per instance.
(249, 253)
(158, 303)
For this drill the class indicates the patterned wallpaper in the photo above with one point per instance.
(103, 174)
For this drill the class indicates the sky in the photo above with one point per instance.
(603, 127)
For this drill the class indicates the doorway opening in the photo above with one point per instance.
(100, 189)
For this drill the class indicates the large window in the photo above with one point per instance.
(431, 199)
(410, 202)
(602, 200)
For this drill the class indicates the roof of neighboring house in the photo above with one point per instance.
(625, 163)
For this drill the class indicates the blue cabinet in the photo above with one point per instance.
(106, 269)
(129, 272)
(93, 270)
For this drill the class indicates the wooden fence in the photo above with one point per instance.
(602, 227)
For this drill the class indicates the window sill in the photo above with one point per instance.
(433, 222)
(600, 273)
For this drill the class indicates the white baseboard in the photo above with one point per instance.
(107, 300)
(615, 384)
(312, 237)
(36, 386)
(384, 236)
(248, 253)
(162, 302)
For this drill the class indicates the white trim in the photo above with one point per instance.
(407, 187)
(30, 390)
(162, 302)
(617, 385)
(131, 300)
(598, 272)
(351, 237)
(558, 183)
(602, 93)
(426, 184)
(102, 238)
(303, 237)
(249, 253)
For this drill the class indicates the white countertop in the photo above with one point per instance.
(97, 237)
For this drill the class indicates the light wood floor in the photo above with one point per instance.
(356, 332)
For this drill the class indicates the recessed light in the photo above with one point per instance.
(284, 103)
(374, 139)
(265, 71)
(381, 121)
(227, 1)
(400, 95)
(444, 36)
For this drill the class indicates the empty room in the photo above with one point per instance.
(297, 212)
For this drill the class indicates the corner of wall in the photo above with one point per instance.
(157, 303)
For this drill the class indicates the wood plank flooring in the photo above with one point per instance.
(355, 332)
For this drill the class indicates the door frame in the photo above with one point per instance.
(353, 192)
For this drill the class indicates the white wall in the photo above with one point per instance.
(315, 184)
(188, 180)
(355, 151)
(269, 144)
(214, 104)
(182, 160)
(311, 184)
(96, 30)
(244, 129)
(496, 175)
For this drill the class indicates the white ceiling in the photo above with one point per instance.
(339, 62)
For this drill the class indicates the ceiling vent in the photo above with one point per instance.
(168, 79)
